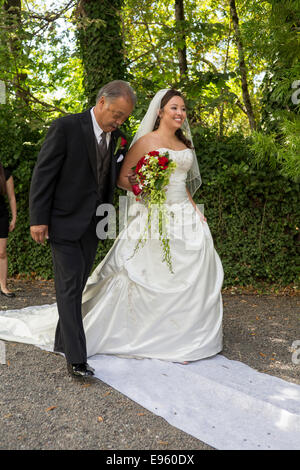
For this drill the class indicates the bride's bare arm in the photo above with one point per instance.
(137, 151)
(195, 205)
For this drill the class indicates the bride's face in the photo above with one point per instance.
(174, 113)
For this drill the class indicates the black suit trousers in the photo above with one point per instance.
(72, 262)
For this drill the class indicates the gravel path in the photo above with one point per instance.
(41, 407)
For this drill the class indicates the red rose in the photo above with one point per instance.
(163, 162)
(123, 142)
(154, 153)
(139, 165)
(136, 189)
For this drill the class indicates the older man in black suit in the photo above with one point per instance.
(76, 171)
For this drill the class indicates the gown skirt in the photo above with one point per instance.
(133, 305)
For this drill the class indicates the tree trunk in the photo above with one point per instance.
(242, 65)
(99, 33)
(13, 21)
(221, 108)
(179, 16)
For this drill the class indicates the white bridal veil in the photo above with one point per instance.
(193, 177)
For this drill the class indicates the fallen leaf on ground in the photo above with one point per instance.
(99, 419)
(50, 408)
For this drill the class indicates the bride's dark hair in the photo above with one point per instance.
(163, 103)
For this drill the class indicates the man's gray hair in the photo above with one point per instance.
(116, 89)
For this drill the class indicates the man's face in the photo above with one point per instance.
(110, 114)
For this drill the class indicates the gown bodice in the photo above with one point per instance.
(176, 189)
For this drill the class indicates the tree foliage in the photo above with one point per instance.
(277, 141)
(54, 58)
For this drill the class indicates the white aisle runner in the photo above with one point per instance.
(221, 402)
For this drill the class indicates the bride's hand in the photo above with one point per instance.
(132, 178)
(204, 219)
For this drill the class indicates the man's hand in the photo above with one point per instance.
(39, 233)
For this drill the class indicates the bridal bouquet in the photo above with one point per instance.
(153, 171)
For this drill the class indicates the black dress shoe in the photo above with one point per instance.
(80, 370)
(8, 294)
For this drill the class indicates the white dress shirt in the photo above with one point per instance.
(97, 129)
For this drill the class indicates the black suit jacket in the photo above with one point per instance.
(64, 192)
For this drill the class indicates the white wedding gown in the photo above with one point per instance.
(133, 306)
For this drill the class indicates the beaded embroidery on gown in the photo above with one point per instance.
(133, 306)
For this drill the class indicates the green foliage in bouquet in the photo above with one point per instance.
(153, 174)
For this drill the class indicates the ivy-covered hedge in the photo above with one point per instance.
(253, 214)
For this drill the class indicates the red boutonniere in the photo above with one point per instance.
(121, 144)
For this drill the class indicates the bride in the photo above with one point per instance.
(133, 306)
